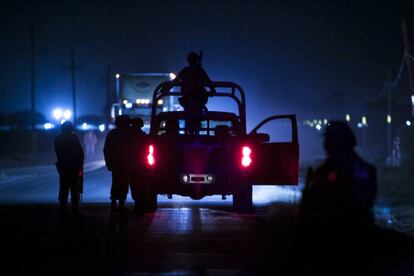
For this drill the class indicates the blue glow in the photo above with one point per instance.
(47, 126)
(101, 127)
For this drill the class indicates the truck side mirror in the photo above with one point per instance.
(261, 137)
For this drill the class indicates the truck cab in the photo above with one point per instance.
(134, 96)
(221, 158)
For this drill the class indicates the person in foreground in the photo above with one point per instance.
(343, 189)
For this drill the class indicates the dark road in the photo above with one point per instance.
(97, 184)
(184, 237)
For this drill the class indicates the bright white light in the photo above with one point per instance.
(325, 121)
(160, 102)
(67, 114)
(57, 113)
(125, 101)
(269, 194)
(85, 126)
(48, 126)
(62, 121)
(138, 101)
(408, 123)
(389, 119)
(359, 125)
(128, 105)
(348, 117)
(364, 120)
(318, 127)
(101, 127)
(147, 101)
(117, 76)
(412, 99)
(172, 76)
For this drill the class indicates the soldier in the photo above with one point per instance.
(69, 164)
(117, 150)
(343, 189)
(137, 159)
(194, 96)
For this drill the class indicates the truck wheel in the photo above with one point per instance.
(242, 198)
(151, 204)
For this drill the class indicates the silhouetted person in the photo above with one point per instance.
(336, 208)
(117, 153)
(69, 164)
(343, 189)
(194, 96)
(138, 161)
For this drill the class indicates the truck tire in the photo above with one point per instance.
(150, 202)
(242, 198)
(146, 201)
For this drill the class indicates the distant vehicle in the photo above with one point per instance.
(221, 158)
(134, 95)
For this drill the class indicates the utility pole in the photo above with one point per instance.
(33, 137)
(72, 70)
(32, 75)
(389, 110)
(108, 95)
(408, 63)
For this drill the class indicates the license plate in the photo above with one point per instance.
(191, 178)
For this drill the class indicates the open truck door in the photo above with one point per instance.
(276, 159)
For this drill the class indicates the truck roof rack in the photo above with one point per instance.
(215, 89)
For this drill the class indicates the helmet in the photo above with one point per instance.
(122, 121)
(137, 122)
(66, 127)
(339, 137)
(193, 58)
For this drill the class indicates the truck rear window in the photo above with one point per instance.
(207, 127)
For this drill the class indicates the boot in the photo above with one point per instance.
(75, 209)
(122, 207)
(113, 206)
(62, 208)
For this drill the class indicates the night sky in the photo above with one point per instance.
(288, 55)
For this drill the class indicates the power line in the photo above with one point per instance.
(400, 70)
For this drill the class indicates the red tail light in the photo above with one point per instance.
(246, 160)
(150, 156)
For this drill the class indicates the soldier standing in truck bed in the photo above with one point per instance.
(70, 156)
(193, 78)
(117, 150)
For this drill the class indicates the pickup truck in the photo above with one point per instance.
(221, 158)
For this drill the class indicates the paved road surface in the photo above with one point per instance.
(97, 183)
(182, 238)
